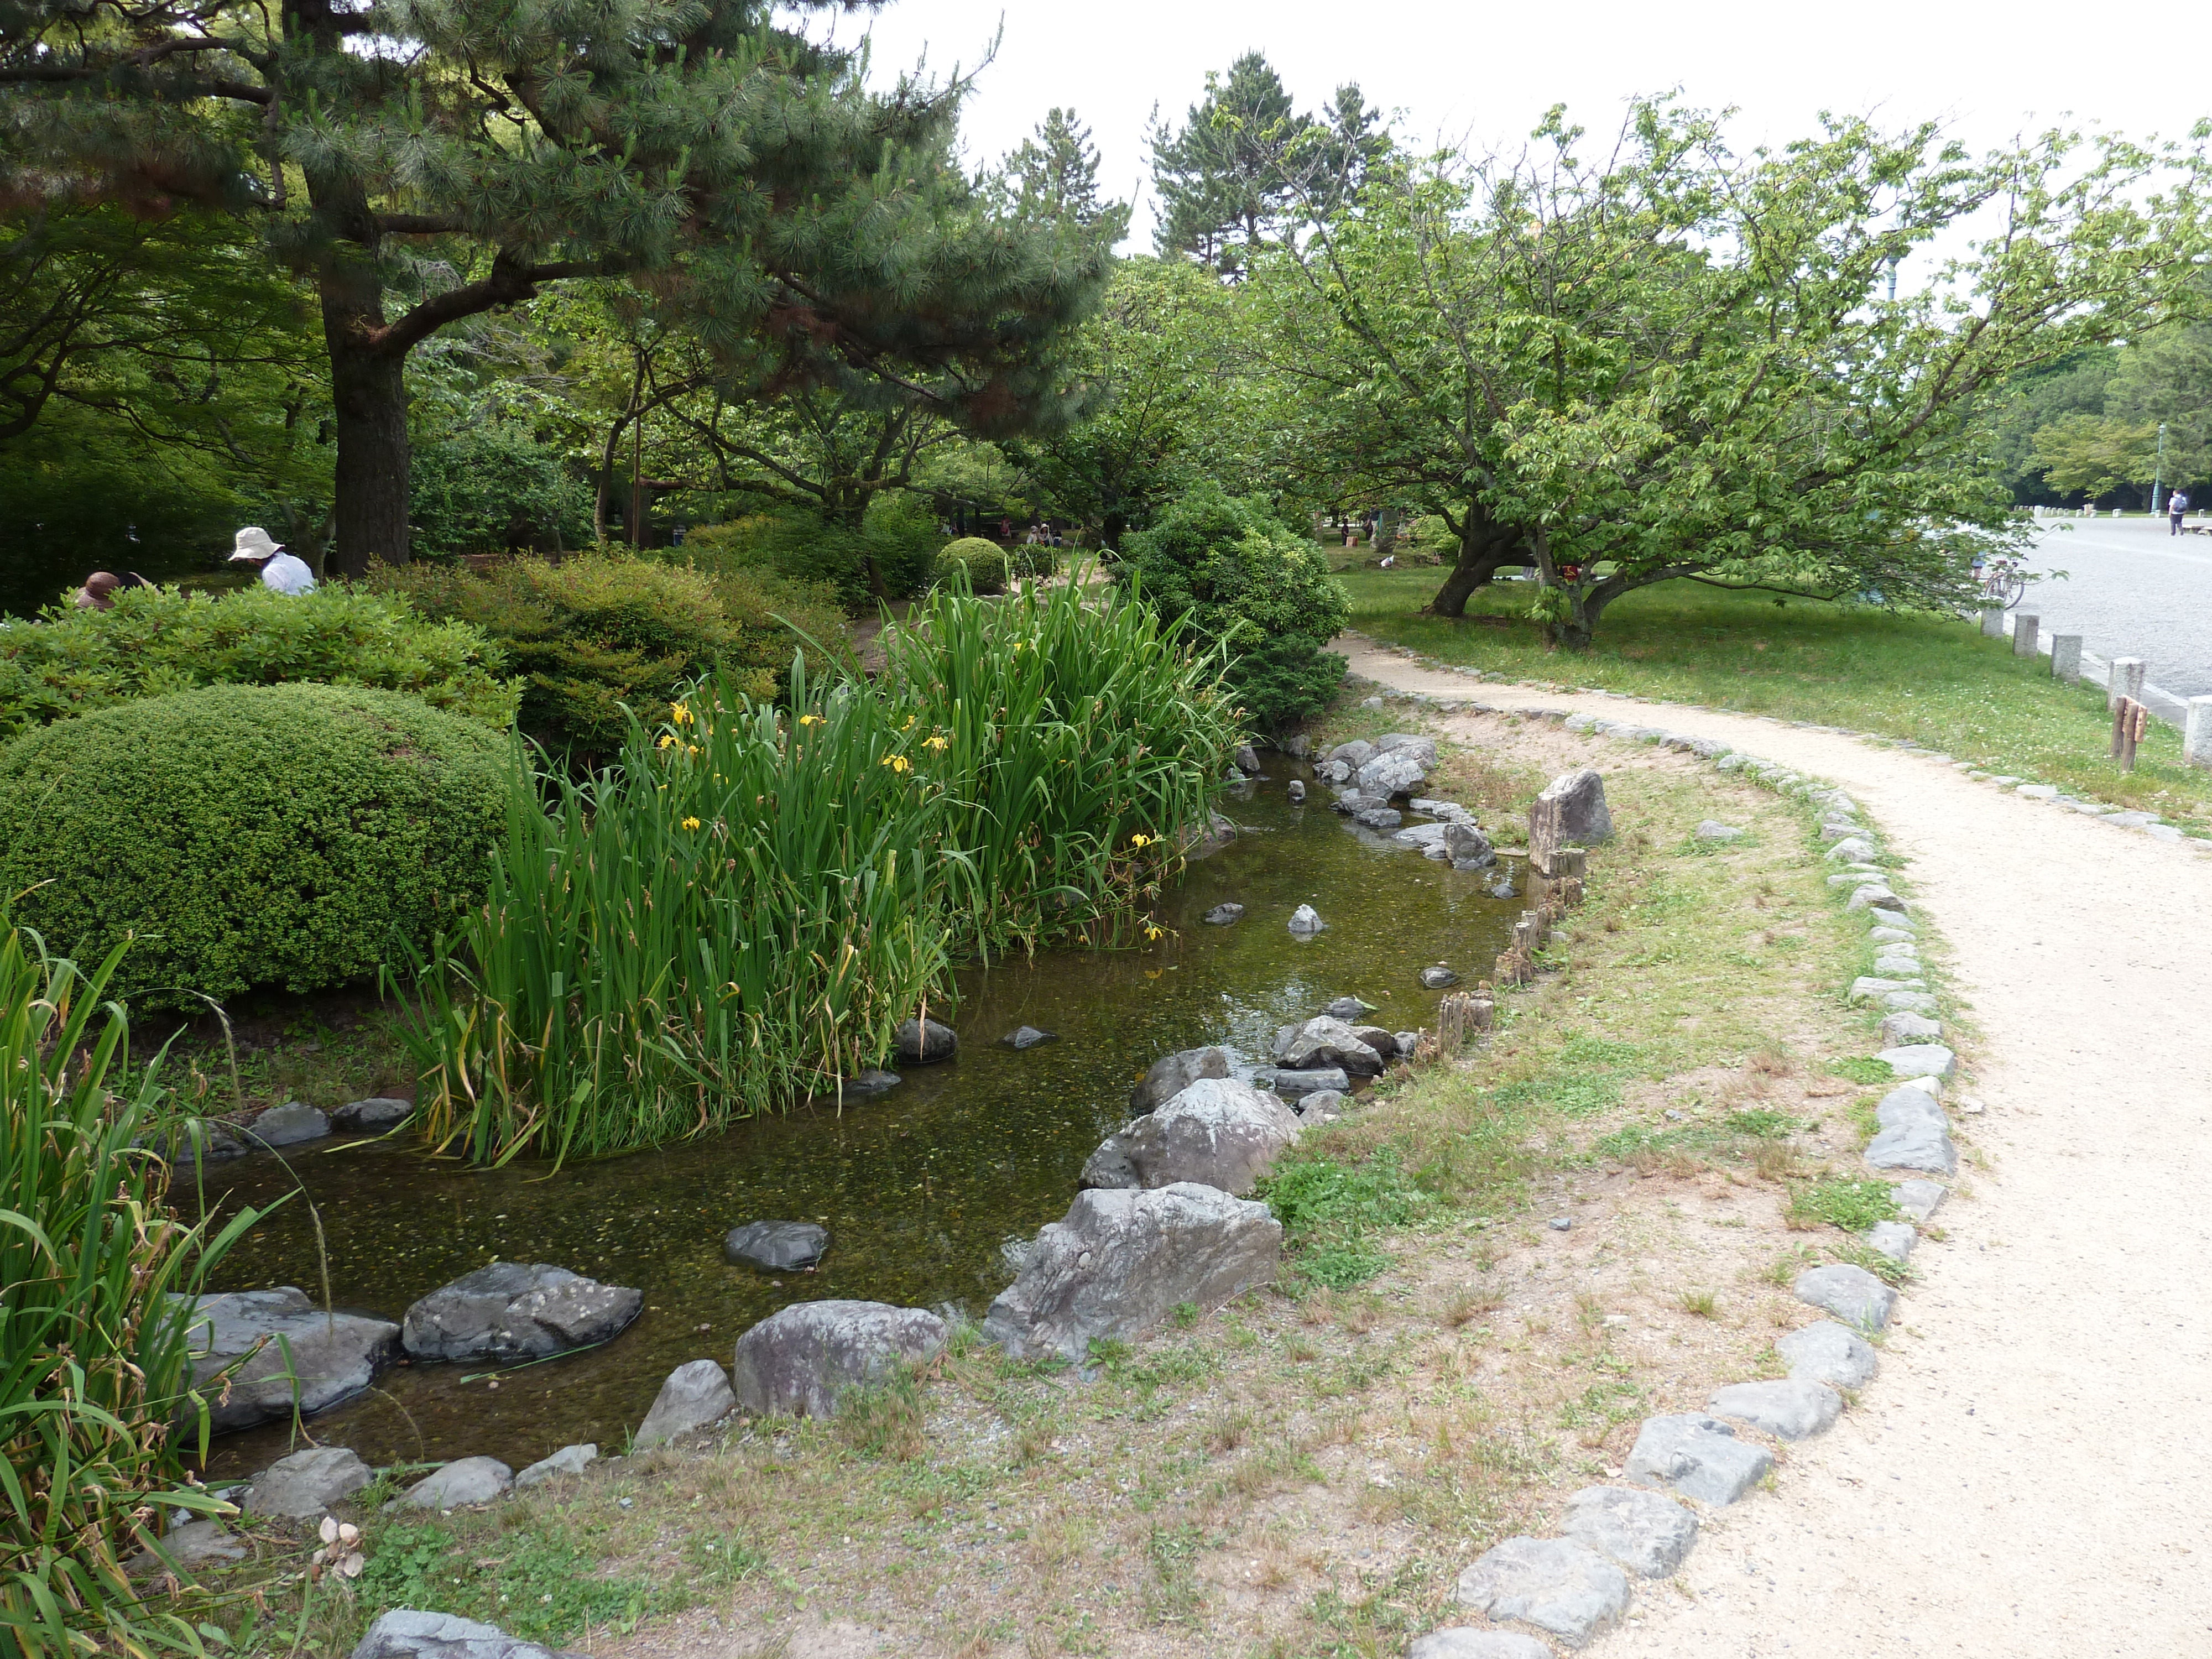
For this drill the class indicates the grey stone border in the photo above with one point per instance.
(1575, 1588)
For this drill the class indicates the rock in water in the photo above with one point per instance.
(1305, 921)
(1378, 819)
(1295, 791)
(1438, 977)
(513, 1312)
(1218, 1132)
(289, 1124)
(1467, 847)
(1553, 1584)
(1570, 813)
(804, 1358)
(1327, 1041)
(924, 1042)
(694, 1396)
(378, 1112)
(775, 1247)
(1248, 760)
(1647, 1534)
(872, 1082)
(1384, 1043)
(1170, 1074)
(1121, 1260)
(1292, 1083)
(569, 1460)
(470, 1481)
(1026, 1036)
(1348, 1008)
(1221, 915)
(405, 1633)
(308, 1483)
(331, 1356)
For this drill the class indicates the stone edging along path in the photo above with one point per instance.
(1577, 1586)
(2017, 1484)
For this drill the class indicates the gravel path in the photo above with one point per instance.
(2131, 591)
(2027, 1476)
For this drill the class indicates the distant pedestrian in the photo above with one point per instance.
(2176, 505)
(280, 571)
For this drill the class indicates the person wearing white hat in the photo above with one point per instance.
(279, 569)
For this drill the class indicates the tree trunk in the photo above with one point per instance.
(1116, 526)
(1484, 546)
(369, 395)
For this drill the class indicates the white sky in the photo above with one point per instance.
(1484, 74)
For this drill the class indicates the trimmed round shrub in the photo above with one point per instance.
(986, 563)
(278, 835)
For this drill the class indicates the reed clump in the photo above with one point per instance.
(97, 1402)
(742, 910)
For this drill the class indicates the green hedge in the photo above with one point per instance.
(158, 640)
(250, 835)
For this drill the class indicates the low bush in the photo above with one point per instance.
(158, 640)
(892, 556)
(497, 490)
(744, 910)
(288, 835)
(985, 565)
(1238, 575)
(97, 1407)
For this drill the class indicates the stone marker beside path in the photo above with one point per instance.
(2066, 658)
(2196, 732)
(2124, 679)
(2023, 634)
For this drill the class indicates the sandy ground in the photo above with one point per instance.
(2028, 1474)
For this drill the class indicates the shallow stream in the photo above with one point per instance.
(918, 1187)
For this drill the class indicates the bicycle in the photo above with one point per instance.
(2005, 582)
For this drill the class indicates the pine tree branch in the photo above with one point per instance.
(510, 282)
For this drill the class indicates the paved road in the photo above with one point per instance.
(2131, 591)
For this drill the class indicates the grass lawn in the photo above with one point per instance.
(1940, 682)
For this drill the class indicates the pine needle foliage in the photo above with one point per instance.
(743, 909)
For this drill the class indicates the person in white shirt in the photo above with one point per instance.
(279, 569)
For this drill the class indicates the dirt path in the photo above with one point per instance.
(2028, 1475)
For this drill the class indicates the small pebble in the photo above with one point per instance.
(1561, 1222)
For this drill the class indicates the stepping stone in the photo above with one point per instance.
(1889, 965)
(1553, 1584)
(1852, 1294)
(1828, 1352)
(1698, 1456)
(1915, 1133)
(1921, 1060)
(378, 1112)
(1909, 1002)
(1645, 1533)
(1466, 1642)
(1438, 978)
(1794, 1409)
(1919, 1199)
(1895, 1239)
(288, 1125)
(925, 1043)
(1899, 1030)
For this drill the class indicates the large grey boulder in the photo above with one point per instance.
(1305, 921)
(1645, 1532)
(803, 1358)
(405, 1633)
(924, 1042)
(1384, 1043)
(306, 1484)
(1914, 1134)
(1353, 754)
(377, 1112)
(1825, 1351)
(288, 1125)
(514, 1311)
(1467, 847)
(1327, 1041)
(694, 1396)
(1794, 1409)
(1423, 750)
(1396, 773)
(459, 1484)
(1852, 1294)
(775, 1247)
(1571, 812)
(305, 1358)
(1122, 1260)
(1698, 1456)
(1466, 1642)
(1170, 1074)
(1554, 1583)
(1219, 1132)
(569, 1460)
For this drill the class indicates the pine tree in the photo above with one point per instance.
(1223, 181)
(1053, 177)
(421, 161)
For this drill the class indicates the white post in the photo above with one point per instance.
(2023, 634)
(2066, 658)
(2196, 735)
(1993, 621)
(2126, 681)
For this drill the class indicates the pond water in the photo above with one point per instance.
(918, 1188)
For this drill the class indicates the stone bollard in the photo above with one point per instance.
(2196, 734)
(2066, 658)
(1993, 621)
(2126, 681)
(2023, 634)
